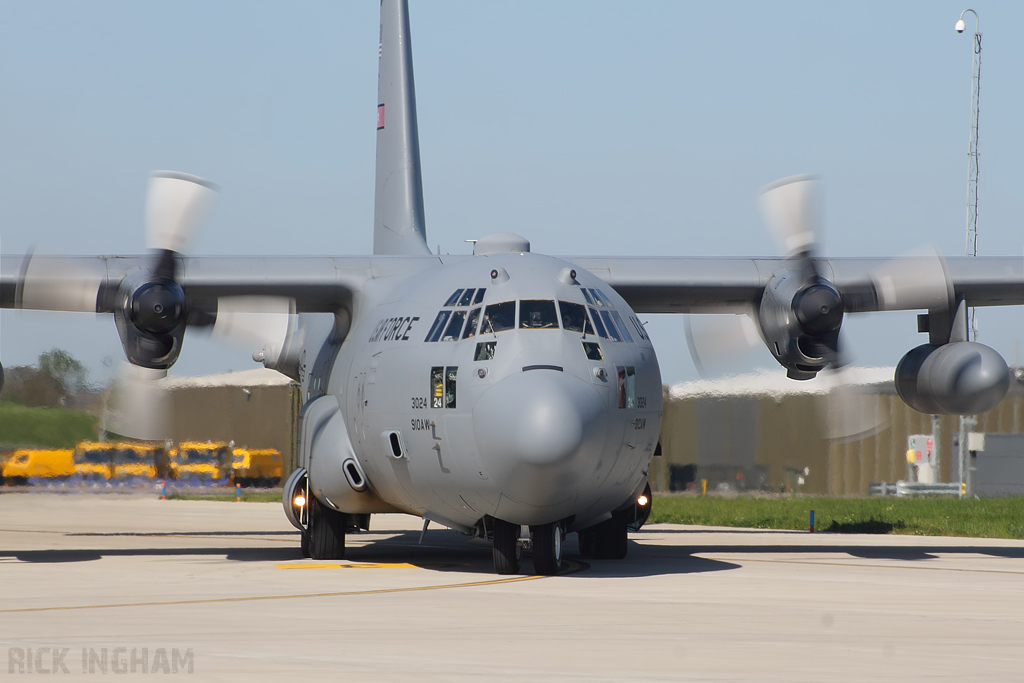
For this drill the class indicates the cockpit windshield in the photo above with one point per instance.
(537, 314)
(574, 317)
(533, 314)
(474, 317)
(454, 327)
(499, 317)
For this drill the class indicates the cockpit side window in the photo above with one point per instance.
(622, 327)
(574, 317)
(450, 376)
(437, 327)
(610, 326)
(499, 317)
(593, 350)
(474, 317)
(454, 298)
(586, 295)
(598, 324)
(479, 295)
(605, 300)
(537, 314)
(454, 327)
(466, 298)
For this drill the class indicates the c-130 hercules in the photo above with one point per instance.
(506, 390)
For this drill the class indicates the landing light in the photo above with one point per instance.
(642, 500)
(300, 500)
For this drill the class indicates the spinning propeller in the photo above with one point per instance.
(152, 309)
(801, 311)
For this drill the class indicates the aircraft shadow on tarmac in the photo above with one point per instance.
(449, 551)
(442, 550)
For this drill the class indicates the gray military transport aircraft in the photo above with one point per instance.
(509, 395)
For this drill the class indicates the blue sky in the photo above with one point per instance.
(589, 128)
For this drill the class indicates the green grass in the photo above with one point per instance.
(50, 427)
(247, 496)
(947, 516)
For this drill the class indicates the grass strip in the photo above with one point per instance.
(945, 516)
(48, 427)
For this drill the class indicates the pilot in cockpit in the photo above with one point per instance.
(572, 317)
(535, 320)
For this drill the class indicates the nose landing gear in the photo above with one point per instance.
(545, 540)
(507, 548)
(547, 547)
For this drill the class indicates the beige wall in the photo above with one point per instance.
(789, 434)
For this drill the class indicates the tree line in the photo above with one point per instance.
(57, 379)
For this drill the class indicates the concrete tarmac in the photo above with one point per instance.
(221, 588)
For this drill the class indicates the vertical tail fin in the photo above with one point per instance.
(398, 223)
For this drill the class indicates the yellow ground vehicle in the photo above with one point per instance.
(200, 463)
(256, 466)
(93, 462)
(38, 463)
(137, 463)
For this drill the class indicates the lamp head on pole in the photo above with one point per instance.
(961, 26)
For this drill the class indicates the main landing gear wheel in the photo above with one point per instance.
(507, 549)
(547, 547)
(605, 541)
(326, 531)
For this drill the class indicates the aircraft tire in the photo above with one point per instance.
(547, 548)
(507, 550)
(304, 543)
(326, 532)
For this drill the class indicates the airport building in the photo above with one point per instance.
(254, 408)
(764, 432)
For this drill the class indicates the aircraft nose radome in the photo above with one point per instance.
(530, 429)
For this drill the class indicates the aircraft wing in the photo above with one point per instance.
(323, 283)
(89, 283)
(708, 285)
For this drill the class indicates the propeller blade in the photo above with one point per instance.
(263, 323)
(55, 283)
(792, 209)
(918, 280)
(717, 339)
(175, 205)
(138, 404)
(850, 411)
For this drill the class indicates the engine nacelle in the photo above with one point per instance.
(150, 312)
(960, 378)
(800, 317)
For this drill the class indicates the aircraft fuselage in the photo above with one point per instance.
(509, 385)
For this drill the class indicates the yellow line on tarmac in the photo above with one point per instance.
(350, 565)
(571, 567)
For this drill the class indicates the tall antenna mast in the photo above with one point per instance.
(971, 247)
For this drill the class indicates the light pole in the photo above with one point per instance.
(971, 247)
